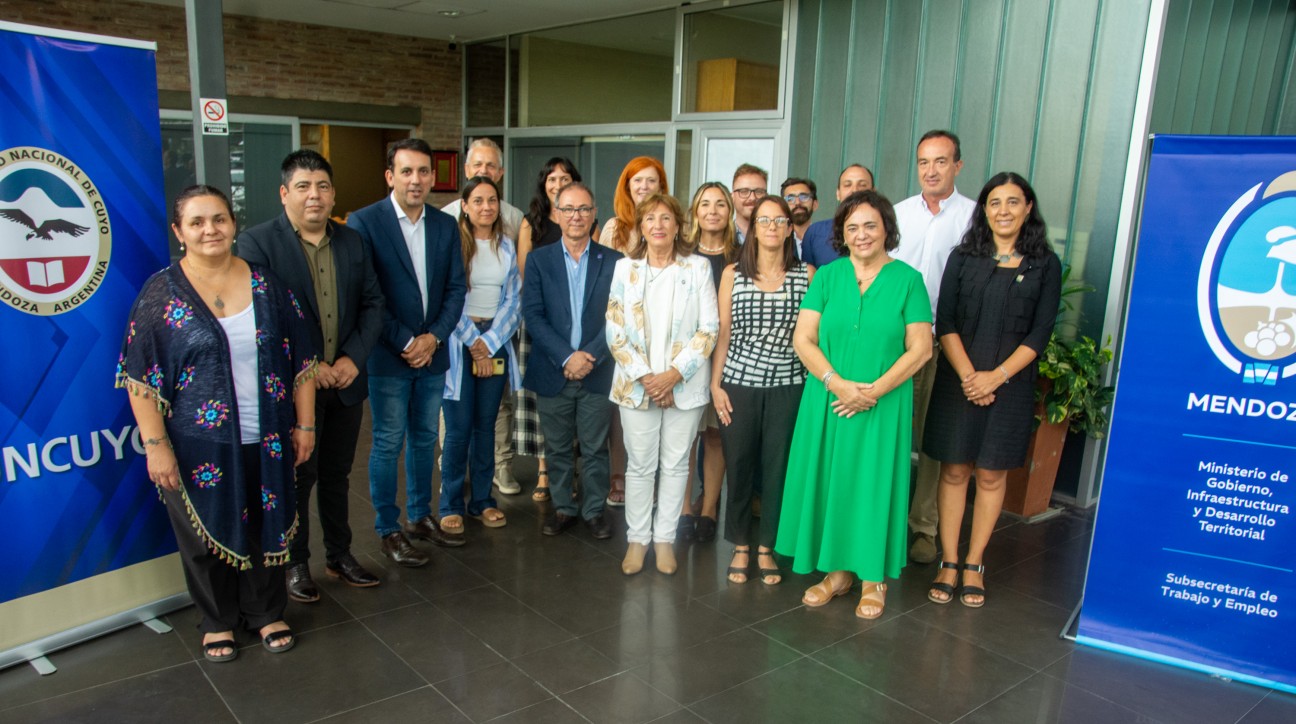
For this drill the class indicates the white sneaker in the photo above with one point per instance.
(505, 482)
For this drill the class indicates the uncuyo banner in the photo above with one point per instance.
(1195, 542)
(82, 225)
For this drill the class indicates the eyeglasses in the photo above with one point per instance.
(748, 193)
(573, 210)
(779, 221)
(803, 198)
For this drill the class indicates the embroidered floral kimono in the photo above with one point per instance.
(176, 353)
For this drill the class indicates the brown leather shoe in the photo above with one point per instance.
(426, 528)
(403, 553)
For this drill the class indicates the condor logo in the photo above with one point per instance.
(55, 235)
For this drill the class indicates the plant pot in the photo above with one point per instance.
(1030, 487)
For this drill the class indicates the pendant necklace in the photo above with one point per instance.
(218, 303)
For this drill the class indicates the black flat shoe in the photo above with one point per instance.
(557, 522)
(684, 529)
(599, 527)
(704, 528)
(403, 553)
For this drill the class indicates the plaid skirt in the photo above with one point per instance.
(527, 438)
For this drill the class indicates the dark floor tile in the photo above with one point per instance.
(130, 652)
(622, 699)
(550, 711)
(303, 684)
(910, 662)
(1276, 708)
(494, 691)
(180, 693)
(754, 601)
(420, 705)
(683, 716)
(502, 621)
(567, 666)
(1156, 690)
(800, 691)
(809, 629)
(1056, 575)
(657, 626)
(700, 671)
(432, 643)
(1011, 624)
(444, 576)
(600, 588)
(1042, 699)
(519, 550)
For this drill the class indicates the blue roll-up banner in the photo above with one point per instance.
(1195, 543)
(82, 225)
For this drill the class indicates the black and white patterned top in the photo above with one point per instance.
(760, 343)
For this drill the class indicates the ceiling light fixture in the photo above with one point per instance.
(450, 13)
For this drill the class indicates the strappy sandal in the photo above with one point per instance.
(873, 596)
(541, 493)
(944, 588)
(967, 590)
(824, 592)
(740, 570)
(767, 573)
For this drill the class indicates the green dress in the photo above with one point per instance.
(846, 501)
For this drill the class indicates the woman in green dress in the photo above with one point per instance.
(863, 331)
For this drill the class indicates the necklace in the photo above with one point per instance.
(218, 303)
(1005, 258)
(710, 250)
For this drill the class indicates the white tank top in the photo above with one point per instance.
(240, 330)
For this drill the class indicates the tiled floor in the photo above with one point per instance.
(517, 627)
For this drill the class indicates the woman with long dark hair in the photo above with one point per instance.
(998, 302)
(757, 380)
(481, 342)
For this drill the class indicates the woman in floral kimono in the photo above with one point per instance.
(219, 366)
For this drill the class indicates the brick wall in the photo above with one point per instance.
(277, 59)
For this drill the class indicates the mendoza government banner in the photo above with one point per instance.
(82, 225)
(1195, 542)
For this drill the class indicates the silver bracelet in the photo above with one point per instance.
(1004, 372)
(306, 428)
(827, 376)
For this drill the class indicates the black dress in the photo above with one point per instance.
(994, 310)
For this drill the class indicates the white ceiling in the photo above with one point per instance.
(421, 18)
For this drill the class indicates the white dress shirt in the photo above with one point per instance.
(926, 239)
(416, 242)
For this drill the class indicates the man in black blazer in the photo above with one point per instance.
(417, 254)
(326, 266)
(564, 303)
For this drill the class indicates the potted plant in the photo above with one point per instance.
(1069, 395)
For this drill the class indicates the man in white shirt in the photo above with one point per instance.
(931, 224)
(485, 159)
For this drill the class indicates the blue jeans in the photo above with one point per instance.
(470, 440)
(403, 406)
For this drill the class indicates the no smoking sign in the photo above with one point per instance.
(214, 120)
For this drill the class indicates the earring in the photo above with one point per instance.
(182, 247)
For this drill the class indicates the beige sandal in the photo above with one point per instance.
(492, 518)
(452, 524)
(824, 591)
(872, 601)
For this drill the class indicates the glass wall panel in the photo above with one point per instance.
(486, 66)
(599, 159)
(611, 71)
(732, 59)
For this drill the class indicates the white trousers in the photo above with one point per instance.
(656, 440)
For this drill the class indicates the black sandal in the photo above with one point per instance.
(767, 573)
(973, 590)
(275, 637)
(541, 492)
(211, 647)
(740, 570)
(945, 588)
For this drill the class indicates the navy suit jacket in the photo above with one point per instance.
(274, 244)
(403, 315)
(546, 307)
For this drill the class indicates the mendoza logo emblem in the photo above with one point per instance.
(1246, 288)
(55, 236)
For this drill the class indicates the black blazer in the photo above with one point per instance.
(1031, 307)
(360, 302)
(547, 309)
(403, 315)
